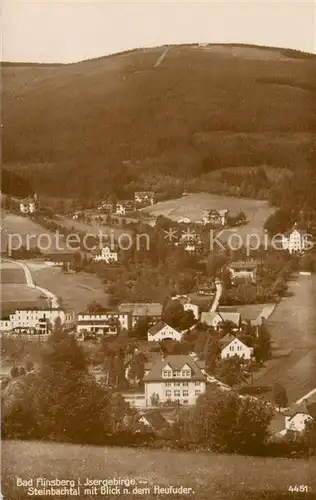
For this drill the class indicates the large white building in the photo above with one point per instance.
(37, 321)
(297, 241)
(175, 378)
(103, 323)
(108, 255)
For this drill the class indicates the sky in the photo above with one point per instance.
(69, 31)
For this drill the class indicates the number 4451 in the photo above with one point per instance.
(298, 488)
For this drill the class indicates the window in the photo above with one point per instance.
(185, 401)
(166, 373)
(185, 384)
(231, 347)
(177, 384)
(177, 393)
(197, 392)
(185, 393)
(185, 373)
(168, 394)
(177, 373)
(197, 383)
(167, 384)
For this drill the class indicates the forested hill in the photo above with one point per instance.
(202, 116)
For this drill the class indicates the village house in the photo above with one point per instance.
(243, 271)
(296, 241)
(297, 416)
(107, 206)
(103, 323)
(145, 197)
(216, 319)
(232, 346)
(36, 321)
(153, 420)
(188, 305)
(215, 217)
(161, 331)
(174, 378)
(108, 254)
(151, 310)
(125, 206)
(28, 205)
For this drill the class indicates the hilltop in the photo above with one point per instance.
(160, 117)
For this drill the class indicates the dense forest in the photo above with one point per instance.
(238, 123)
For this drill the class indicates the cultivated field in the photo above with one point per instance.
(11, 273)
(211, 477)
(93, 229)
(14, 296)
(75, 290)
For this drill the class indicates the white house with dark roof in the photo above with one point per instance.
(161, 331)
(174, 378)
(232, 346)
(297, 416)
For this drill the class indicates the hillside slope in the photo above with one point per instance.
(198, 110)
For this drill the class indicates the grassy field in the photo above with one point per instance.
(192, 206)
(210, 477)
(11, 273)
(168, 119)
(14, 296)
(75, 290)
(292, 328)
(18, 230)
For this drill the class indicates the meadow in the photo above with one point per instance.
(210, 476)
(292, 329)
(76, 291)
(192, 206)
(18, 230)
(11, 273)
(15, 296)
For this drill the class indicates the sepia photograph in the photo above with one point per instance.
(158, 249)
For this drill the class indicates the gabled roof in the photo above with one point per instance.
(176, 362)
(157, 327)
(228, 339)
(234, 317)
(155, 419)
(209, 316)
(307, 407)
(141, 309)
